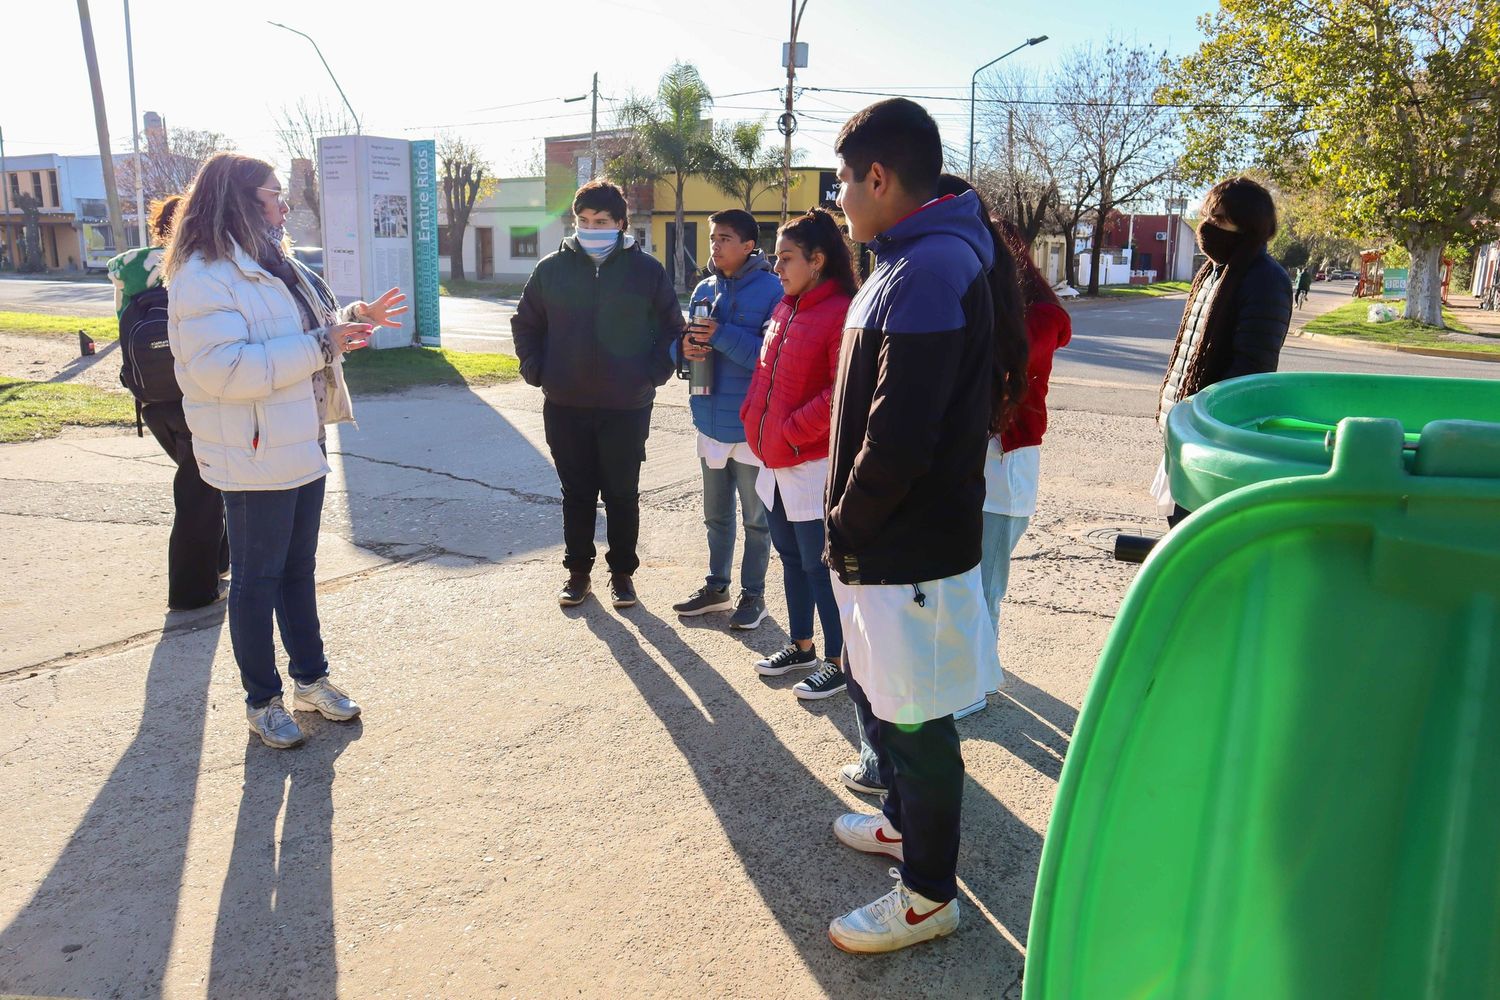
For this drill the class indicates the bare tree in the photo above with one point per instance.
(170, 159)
(298, 130)
(1019, 141)
(466, 179)
(1108, 100)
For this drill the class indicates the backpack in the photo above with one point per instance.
(146, 362)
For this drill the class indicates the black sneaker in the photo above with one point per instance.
(704, 600)
(621, 590)
(575, 590)
(790, 658)
(748, 613)
(827, 681)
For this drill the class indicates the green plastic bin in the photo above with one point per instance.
(1283, 783)
(1248, 430)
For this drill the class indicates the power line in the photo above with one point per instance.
(1201, 105)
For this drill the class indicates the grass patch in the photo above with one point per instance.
(31, 411)
(370, 371)
(1147, 291)
(1348, 320)
(101, 328)
(479, 289)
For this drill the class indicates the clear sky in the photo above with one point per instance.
(496, 71)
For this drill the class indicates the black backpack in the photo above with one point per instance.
(146, 363)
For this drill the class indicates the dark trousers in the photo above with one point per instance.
(198, 550)
(599, 453)
(1178, 514)
(923, 772)
(273, 549)
(806, 579)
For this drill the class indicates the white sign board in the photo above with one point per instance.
(365, 184)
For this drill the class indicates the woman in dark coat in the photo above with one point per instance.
(1240, 304)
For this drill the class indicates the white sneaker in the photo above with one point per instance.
(322, 697)
(968, 710)
(871, 834)
(896, 920)
(273, 725)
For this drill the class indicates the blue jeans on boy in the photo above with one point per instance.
(808, 585)
(719, 489)
(273, 547)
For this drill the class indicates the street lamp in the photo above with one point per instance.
(335, 79)
(974, 82)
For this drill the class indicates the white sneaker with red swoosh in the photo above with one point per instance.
(871, 834)
(896, 920)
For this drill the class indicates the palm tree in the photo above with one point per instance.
(672, 137)
(743, 167)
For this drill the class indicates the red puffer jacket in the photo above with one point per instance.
(1048, 327)
(786, 410)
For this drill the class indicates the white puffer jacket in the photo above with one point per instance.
(245, 365)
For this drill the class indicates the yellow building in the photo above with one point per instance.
(810, 186)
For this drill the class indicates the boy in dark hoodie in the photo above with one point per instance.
(911, 414)
(594, 329)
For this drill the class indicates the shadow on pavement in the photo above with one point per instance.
(777, 815)
(94, 927)
(436, 473)
(275, 921)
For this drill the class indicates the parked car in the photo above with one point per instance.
(312, 257)
(1321, 276)
(1344, 275)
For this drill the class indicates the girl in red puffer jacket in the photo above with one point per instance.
(786, 415)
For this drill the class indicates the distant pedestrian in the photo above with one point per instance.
(739, 292)
(1238, 310)
(787, 415)
(259, 342)
(198, 547)
(594, 329)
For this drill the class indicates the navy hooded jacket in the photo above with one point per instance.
(741, 305)
(911, 404)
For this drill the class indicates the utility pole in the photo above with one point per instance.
(788, 123)
(135, 135)
(594, 132)
(101, 125)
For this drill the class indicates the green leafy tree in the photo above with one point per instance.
(743, 166)
(672, 138)
(1388, 106)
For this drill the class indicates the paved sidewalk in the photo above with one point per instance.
(591, 803)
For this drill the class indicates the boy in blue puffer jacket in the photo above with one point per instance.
(741, 290)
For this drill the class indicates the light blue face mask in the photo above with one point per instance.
(598, 242)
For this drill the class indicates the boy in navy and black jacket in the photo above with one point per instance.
(911, 417)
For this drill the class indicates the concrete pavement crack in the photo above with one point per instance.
(540, 499)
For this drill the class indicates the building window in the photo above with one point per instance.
(52, 181)
(15, 187)
(36, 185)
(523, 243)
(443, 248)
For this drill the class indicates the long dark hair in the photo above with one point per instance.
(1012, 348)
(222, 211)
(815, 232)
(1034, 287)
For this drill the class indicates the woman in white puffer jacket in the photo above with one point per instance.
(258, 340)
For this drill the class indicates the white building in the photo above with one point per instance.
(507, 234)
(74, 210)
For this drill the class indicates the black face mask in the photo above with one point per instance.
(1219, 245)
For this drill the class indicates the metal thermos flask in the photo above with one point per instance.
(701, 373)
